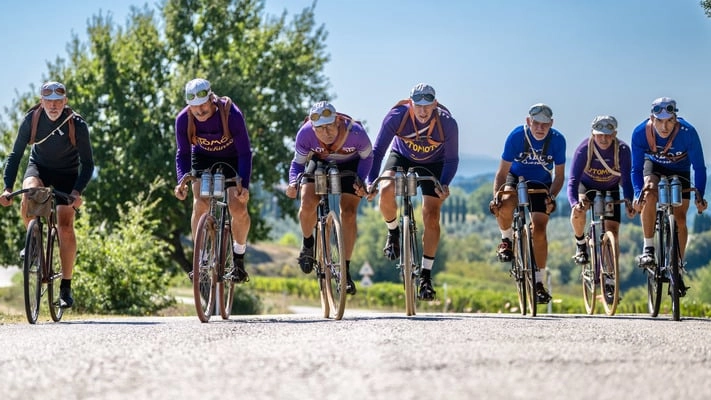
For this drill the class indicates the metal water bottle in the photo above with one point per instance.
(522, 190)
(675, 191)
(321, 181)
(206, 184)
(218, 185)
(334, 178)
(399, 183)
(609, 204)
(598, 204)
(663, 191)
(411, 183)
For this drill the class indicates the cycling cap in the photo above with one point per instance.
(322, 113)
(422, 94)
(541, 113)
(604, 125)
(197, 92)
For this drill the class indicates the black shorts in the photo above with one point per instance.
(200, 163)
(430, 169)
(656, 169)
(347, 181)
(590, 194)
(62, 182)
(537, 200)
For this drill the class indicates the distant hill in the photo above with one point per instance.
(475, 165)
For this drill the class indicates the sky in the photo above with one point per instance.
(488, 60)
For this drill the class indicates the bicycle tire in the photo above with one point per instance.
(518, 266)
(609, 272)
(673, 265)
(654, 275)
(589, 281)
(416, 264)
(324, 284)
(54, 278)
(335, 266)
(226, 287)
(32, 270)
(406, 267)
(530, 273)
(204, 267)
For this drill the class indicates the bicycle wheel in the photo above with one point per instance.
(204, 267)
(226, 287)
(518, 267)
(324, 281)
(406, 266)
(589, 279)
(530, 273)
(335, 266)
(609, 273)
(674, 265)
(655, 275)
(416, 263)
(32, 270)
(54, 278)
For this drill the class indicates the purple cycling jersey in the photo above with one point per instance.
(420, 143)
(597, 176)
(212, 142)
(356, 145)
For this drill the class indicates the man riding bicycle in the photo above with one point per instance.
(665, 144)
(203, 139)
(329, 136)
(536, 152)
(423, 134)
(61, 157)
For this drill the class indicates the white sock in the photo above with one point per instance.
(540, 275)
(507, 233)
(239, 248)
(649, 242)
(392, 224)
(427, 263)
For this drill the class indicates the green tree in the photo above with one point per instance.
(706, 4)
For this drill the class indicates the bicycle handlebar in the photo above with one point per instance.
(33, 190)
(431, 178)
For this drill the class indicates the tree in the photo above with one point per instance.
(706, 4)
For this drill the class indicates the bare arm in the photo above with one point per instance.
(501, 174)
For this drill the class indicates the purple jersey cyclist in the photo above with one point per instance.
(330, 137)
(203, 139)
(665, 144)
(420, 133)
(600, 163)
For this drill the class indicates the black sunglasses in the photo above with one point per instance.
(669, 108)
(191, 96)
(427, 96)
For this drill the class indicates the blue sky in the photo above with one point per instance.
(488, 60)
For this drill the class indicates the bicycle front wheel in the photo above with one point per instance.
(324, 281)
(55, 276)
(530, 270)
(609, 274)
(335, 266)
(655, 275)
(674, 266)
(518, 268)
(226, 287)
(590, 280)
(406, 258)
(32, 270)
(205, 267)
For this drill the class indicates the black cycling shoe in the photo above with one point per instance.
(426, 293)
(505, 251)
(65, 298)
(542, 295)
(306, 259)
(238, 273)
(581, 255)
(392, 245)
(647, 258)
(350, 285)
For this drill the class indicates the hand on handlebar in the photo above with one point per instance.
(180, 191)
(241, 194)
(701, 205)
(494, 207)
(360, 189)
(550, 205)
(372, 191)
(629, 208)
(444, 193)
(291, 191)
(4, 200)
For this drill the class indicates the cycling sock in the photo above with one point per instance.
(309, 242)
(239, 248)
(540, 275)
(348, 266)
(392, 225)
(580, 240)
(427, 263)
(65, 283)
(507, 233)
(649, 242)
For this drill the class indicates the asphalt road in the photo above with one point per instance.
(364, 356)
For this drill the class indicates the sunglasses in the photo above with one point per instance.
(316, 116)
(58, 90)
(540, 109)
(600, 126)
(192, 96)
(427, 96)
(668, 108)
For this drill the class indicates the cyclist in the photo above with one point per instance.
(665, 144)
(535, 151)
(61, 157)
(425, 135)
(601, 162)
(332, 137)
(202, 140)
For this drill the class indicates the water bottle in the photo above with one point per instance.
(206, 184)
(598, 204)
(334, 178)
(675, 191)
(321, 181)
(218, 184)
(411, 183)
(609, 206)
(663, 191)
(522, 190)
(399, 183)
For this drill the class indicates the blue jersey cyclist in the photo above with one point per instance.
(212, 129)
(420, 133)
(665, 144)
(330, 137)
(536, 152)
(600, 163)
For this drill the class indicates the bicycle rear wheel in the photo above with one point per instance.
(655, 275)
(589, 279)
(205, 267)
(32, 270)
(609, 273)
(335, 266)
(674, 265)
(406, 267)
(55, 276)
(518, 267)
(226, 287)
